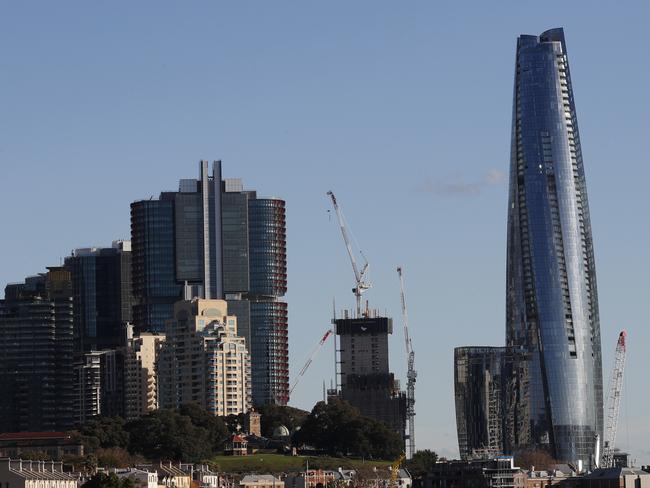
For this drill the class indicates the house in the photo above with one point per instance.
(261, 481)
(237, 445)
(16, 473)
(171, 476)
(141, 478)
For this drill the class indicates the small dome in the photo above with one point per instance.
(280, 431)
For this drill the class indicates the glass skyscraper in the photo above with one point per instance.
(551, 297)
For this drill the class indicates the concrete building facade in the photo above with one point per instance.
(203, 360)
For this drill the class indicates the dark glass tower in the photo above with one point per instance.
(36, 354)
(552, 303)
(101, 288)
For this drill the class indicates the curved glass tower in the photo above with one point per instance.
(552, 302)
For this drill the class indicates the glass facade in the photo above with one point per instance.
(269, 348)
(154, 284)
(491, 391)
(551, 297)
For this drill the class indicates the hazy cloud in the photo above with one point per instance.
(460, 187)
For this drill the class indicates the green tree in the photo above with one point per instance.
(421, 463)
(103, 480)
(167, 434)
(215, 427)
(274, 416)
(104, 432)
(339, 429)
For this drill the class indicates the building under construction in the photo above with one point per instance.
(362, 370)
(365, 378)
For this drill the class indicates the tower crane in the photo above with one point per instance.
(411, 374)
(359, 275)
(310, 359)
(614, 402)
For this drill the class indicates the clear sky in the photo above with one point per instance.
(403, 109)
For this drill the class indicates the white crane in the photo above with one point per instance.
(411, 374)
(310, 359)
(361, 285)
(614, 402)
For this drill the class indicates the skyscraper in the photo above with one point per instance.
(551, 297)
(102, 295)
(218, 241)
(36, 383)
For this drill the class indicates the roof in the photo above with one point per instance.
(37, 470)
(23, 436)
(256, 478)
(237, 438)
(615, 473)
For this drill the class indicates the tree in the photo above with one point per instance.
(104, 432)
(539, 458)
(421, 463)
(339, 429)
(215, 427)
(166, 434)
(103, 480)
(273, 416)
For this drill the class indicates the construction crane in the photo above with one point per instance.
(394, 470)
(411, 374)
(614, 402)
(361, 285)
(310, 359)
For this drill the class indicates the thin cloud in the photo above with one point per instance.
(460, 187)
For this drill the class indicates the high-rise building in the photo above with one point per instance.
(140, 373)
(103, 299)
(99, 385)
(551, 297)
(365, 378)
(219, 241)
(203, 360)
(36, 353)
(490, 385)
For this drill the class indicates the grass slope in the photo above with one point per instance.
(278, 463)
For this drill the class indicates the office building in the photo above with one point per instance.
(551, 296)
(140, 373)
(203, 360)
(365, 378)
(102, 295)
(36, 351)
(212, 239)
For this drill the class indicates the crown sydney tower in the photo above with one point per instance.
(551, 296)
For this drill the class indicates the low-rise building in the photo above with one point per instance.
(172, 476)
(261, 481)
(17, 473)
(616, 478)
(490, 473)
(141, 478)
(54, 444)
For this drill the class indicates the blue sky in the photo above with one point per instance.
(402, 109)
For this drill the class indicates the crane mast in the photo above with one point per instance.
(361, 285)
(411, 374)
(614, 402)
